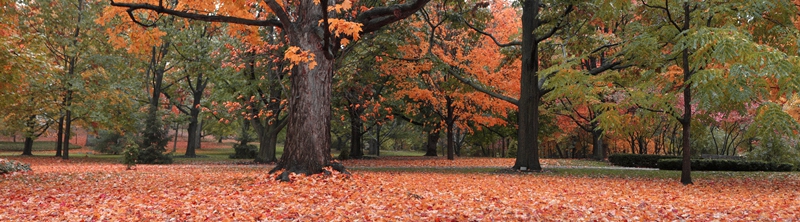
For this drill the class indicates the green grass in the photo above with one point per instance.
(37, 146)
(581, 162)
(662, 174)
(335, 153)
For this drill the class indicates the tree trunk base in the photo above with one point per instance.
(284, 176)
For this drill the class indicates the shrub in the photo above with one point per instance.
(152, 155)
(244, 151)
(724, 165)
(10, 166)
(154, 141)
(638, 160)
(130, 155)
(108, 142)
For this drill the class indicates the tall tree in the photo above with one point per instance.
(68, 31)
(703, 41)
(312, 31)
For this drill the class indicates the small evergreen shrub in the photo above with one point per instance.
(154, 139)
(638, 160)
(108, 142)
(244, 151)
(10, 166)
(130, 155)
(725, 165)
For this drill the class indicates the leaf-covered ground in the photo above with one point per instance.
(97, 190)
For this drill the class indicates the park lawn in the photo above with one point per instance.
(91, 189)
(6, 146)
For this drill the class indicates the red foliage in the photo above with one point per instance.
(91, 190)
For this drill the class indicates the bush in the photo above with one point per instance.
(724, 165)
(638, 160)
(10, 166)
(108, 142)
(152, 155)
(244, 151)
(130, 155)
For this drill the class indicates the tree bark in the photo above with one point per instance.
(356, 125)
(67, 125)
(528, 132)
(60, 136)
(28, 149)
(686, 172)
(430, 146)
(268, 141)
(308, 140)
(194, 113)
(597, 143)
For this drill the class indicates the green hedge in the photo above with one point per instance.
(724, 165)
(638, 160)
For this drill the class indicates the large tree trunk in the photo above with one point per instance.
(28, 149)
(528, 133)
(60, 136)
(430, 146)
(308, 138)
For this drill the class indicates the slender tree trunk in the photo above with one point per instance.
(268, 141)
(597, 143)
(378, 140)
(60, 136)
(67, 126)
(67, 132)
(175, 140)
(450, 121)
(686, 173)
(356, 141)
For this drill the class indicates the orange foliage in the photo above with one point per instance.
(89, 191)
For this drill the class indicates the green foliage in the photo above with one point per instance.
(154, 141)
(108, 142)
(244, 151)
(130, 154)
(638, 160)
(775, 133)
(725, 165)
(10, 166)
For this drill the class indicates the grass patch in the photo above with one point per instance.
(466, 170)
(37, 146)
(662, 174)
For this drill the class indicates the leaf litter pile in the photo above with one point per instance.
(79, 190)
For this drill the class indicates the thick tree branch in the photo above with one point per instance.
(209, 18)
(378, 17)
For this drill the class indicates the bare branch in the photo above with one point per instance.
(484, 90)
(514, 43)
(209, 18)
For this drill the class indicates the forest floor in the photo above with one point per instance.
(91, 187)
